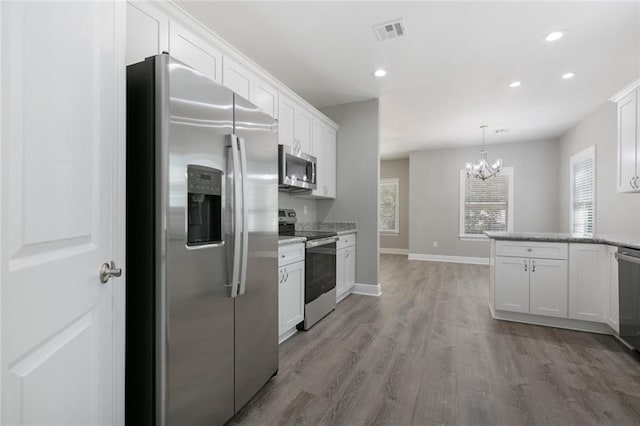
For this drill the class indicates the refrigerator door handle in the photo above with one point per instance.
(245, 217)
(237, 216)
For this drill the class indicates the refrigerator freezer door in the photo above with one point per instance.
(197, 351)
(256, 311)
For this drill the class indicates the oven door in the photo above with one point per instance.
(296, 172)
(320, 268)
(629, 295)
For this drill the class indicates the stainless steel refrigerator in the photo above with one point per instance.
(202, 201)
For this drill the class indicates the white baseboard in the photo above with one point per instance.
(367, 289)
(393, 251)
(343, 294)
(286, 335)
(450, 259)
(567, 323)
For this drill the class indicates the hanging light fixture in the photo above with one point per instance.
(481, 169)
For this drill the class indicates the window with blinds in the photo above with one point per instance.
(583, 170)
(485, 204)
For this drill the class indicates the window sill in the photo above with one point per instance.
(475, 238)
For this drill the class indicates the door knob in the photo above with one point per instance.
(109, 270)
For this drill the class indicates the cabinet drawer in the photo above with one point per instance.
(290, 253)
(348, 240)
(532, 249)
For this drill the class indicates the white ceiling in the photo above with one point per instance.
(450, 74)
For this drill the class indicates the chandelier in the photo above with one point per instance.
(481, 169)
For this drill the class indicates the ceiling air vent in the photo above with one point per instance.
(389, 30)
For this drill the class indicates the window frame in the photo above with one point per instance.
(581, 156)
(506, 171)
(396, 182)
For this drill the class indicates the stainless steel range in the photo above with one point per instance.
(320, 268)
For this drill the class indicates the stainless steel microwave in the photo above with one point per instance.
(296, 170)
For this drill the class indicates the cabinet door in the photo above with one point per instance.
(350, 267)
(627, 142)
(330, 162)
(588, 281)
(613, 302)
(195, 52)
(265, 97)
(318, 152)
(147, 31)
(548, 287)
(512, 284)
(286, 121)
(237, 78)
(290, 296)
(341, 260)
(303, 130)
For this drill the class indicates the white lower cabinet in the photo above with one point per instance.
(613, 302)
(290, 290)
(548, 287)
(345, 265)
(512, 284)
(531, 285)
(588, 281)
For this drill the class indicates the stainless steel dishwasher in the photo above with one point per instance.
(629, 295)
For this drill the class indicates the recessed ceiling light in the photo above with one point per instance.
(568, 75)
(515, 84)
(556, 35)
(380, 72)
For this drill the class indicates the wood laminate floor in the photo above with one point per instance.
(427, 352)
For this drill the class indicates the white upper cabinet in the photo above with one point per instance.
(324, 149)
(588, 281)
(330, 166)
(147, 32)
(286, 122)
(195, 52)
(265, 97)
(303, 130)
(237, 78)
(628, 141)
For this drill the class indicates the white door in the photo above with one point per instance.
(265, 97)
(330, 165)
(303, 130)
(588, 281)
(290, 296)
(147, 31)
(62, 177)
(286, 122)
(341, 260)
(512, 284)
(237, 78)
(350, 268)
(613, 312)
(317, 148)
(548, 287)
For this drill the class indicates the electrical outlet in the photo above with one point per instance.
(435, 244)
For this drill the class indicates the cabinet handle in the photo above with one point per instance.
(533, 266)
(346, 254)
(635, 182)
(281, 276)
(525, 266)
(286, 272)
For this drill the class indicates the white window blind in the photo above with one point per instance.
(389, 206)
(485, 205)
(583, 199)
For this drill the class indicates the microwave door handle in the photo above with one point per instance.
(236, 215)
(313, 172)
(245, 217)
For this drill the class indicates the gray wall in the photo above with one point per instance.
(434, 198)
(287, 201)
(358, 164)
(398, 169)
(615, 213)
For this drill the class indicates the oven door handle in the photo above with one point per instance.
(321, 242)
(627, 258)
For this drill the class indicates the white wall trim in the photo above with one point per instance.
(625, 91)
(450, 259)
(367, 289)
(393, 251)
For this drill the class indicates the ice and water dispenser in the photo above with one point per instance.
(204, 205)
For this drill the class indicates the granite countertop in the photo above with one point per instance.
(614, 240)
(282, 240)
(342, 228)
